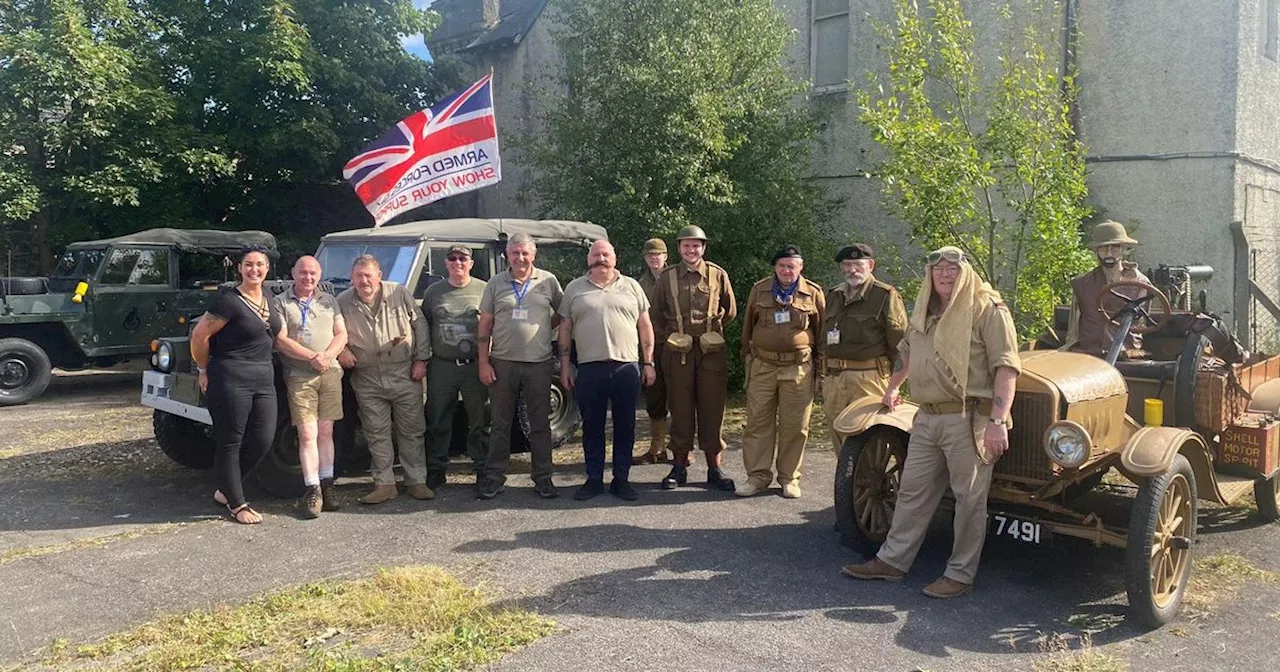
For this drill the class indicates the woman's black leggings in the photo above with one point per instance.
(242, 402)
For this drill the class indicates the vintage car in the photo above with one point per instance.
(1076, 417)
(107, 300)
(412, 254)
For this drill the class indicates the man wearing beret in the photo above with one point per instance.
(781, 345)
(865, 321)
(655, 395)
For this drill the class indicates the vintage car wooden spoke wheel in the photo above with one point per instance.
(1162, 529)
(867, 481)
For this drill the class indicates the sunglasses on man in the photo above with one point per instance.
(455, 258)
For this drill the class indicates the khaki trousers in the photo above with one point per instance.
(779, 402)
(845, 387)
(696, 391)
(391, 400)
(942, 452)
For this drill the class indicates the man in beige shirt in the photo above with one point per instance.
(961, 353)
(387, 352)
(313, 336)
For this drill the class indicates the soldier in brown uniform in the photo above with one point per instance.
(781, 345)
(865, 321)
(694, 301)
(655, 395)
(961, 354)
(1089, 331)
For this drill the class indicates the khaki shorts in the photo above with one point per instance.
(316, 398)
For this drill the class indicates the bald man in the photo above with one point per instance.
(313, 336)
(607, 315)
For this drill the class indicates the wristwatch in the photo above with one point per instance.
(648, 364)
(998, 421)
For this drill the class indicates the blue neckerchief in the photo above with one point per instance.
(306, 307)
(783, 294)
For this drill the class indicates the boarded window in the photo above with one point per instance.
(830, 43)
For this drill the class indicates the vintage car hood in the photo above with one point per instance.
(1078, 377)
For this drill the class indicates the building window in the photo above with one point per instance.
(1270, 28)
(829, 45)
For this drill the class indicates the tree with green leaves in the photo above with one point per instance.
(680, 112)
(130, 114)
(990, 163)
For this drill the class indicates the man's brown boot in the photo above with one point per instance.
(877, 569)
(330, 495)
(945, 588)
(419, 491)
(380, 494)
(311, 502)
(657, 443)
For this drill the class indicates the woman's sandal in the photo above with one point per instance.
(244, 514)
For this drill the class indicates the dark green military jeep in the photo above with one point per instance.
(107, 300)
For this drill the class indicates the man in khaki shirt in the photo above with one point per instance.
(864, 323)
(780, 342)
(695, 301)
(387, 352)
(961, 354)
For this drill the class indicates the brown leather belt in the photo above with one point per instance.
(798, 356)
(835, 364)
(950, 407)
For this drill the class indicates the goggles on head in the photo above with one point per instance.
(952, 255)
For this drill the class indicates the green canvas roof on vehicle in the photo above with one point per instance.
(190, 240)
(546, 231)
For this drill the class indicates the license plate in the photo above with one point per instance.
(1020, 530)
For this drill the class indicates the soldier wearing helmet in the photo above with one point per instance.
(655, 395)
(693, 303)
(1088, 330)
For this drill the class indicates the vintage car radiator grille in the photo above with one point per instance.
(1032, 414)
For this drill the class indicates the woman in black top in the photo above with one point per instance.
(232, 347)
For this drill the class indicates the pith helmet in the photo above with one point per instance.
(1111, 233)
(692, 232)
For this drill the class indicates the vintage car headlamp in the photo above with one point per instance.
(1067, 443)
(164, 357)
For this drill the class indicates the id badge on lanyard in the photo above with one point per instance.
(520, 312)
(781, 316)
(833, 337)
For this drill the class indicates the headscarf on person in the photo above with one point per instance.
(954, 334)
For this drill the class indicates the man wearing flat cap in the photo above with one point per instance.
(1088, 330)
(781, 343)
(452, 310)
(655, 395)
(865, 321)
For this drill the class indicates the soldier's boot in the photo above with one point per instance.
(311, 502)
(419, 491)
(657, 443)
(678, 477)
(330, 495)
(875, 569)
(380, 494)
(717, 480)
(946, 588)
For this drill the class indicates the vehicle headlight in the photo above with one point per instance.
(1067, 443)
(164, 357)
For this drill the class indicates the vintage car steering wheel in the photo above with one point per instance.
(1143, 320)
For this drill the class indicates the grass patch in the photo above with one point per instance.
(12, 452)
(1218, 578)
(409, 618)
(28, 552)
(1062, 658)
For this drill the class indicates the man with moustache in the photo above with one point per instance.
(387, 352)
(607, 315)
(695, 301)
(1088, 330)
(314, 335)
(781, 346)
(655, 395)
(452, 310)
(517, 320)
(864, 323)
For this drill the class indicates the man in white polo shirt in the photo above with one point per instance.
(607, 315)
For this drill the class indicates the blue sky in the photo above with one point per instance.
(414, 43)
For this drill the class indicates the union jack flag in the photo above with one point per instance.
(447, 149)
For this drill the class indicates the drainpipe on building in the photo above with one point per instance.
(1070, 41)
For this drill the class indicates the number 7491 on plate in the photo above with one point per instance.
(1020, 530)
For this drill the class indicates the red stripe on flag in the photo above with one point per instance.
(443, 140)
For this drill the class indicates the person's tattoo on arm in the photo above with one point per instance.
(897, 365)
(998, 403)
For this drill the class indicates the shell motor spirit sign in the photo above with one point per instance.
(1253, 442)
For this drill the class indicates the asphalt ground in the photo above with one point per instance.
(99, 531)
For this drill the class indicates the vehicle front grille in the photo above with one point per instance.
(1032, 414)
